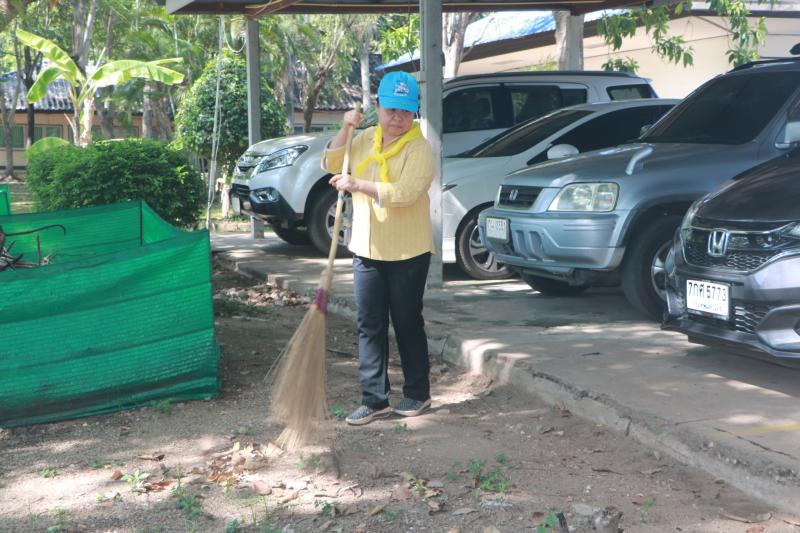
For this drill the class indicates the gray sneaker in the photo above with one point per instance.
(365, 415)
(411, 407)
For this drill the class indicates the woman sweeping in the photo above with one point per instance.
(392, 244)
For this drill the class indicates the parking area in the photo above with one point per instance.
(735, 417)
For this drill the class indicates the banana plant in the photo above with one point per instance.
(82, 87)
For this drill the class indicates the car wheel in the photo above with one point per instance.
(644, 278)
(320, 222)
(292, 234)
(474, 258)
(552, 287)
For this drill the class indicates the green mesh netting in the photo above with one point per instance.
(5, 200)
(122, 314)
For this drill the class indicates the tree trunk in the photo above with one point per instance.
(147, 112)
(30, 66)
(328, 60)
(569, 40)
(87, 119)
(7, 134)
(290, 89)
(106, 109)
(455, 28)
(163, 127)
(366, 101)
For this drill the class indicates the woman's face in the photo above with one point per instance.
(395, 122)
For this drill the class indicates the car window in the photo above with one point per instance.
(611, 129)
(470, 110)
(728, 110)
(538, 100)
(630, 92)
(525, 135)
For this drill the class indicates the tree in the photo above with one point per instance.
(454, 29)
(8, 108)
(745, 39)
(83, 86)
(569, 40)
(194, 120)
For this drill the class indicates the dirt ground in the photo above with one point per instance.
(486, 458)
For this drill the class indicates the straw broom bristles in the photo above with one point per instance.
(298, 377)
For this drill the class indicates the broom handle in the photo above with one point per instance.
(337, 222)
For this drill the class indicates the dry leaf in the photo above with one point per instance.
(760, 518)
(116, 475)
(375, 509)
(401, 493)
(454, 530)
(148, 457)
(157, 486)
(491, 529)
(360, 528)
(755, 529)
(291, 496)
(463, 511)
(262, 488)
(434, 505)
(538, 517)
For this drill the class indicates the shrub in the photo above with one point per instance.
(113, 171)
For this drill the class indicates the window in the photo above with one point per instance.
(612, 129)
(47, 130)
(538, 100)
(470, 110)
(728, 110)
(630, 92)
(526, 135)
(17, 137)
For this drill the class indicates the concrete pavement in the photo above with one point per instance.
(735, 417)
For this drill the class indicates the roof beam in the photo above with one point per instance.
(273, 6)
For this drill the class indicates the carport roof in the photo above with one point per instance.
(256, 8)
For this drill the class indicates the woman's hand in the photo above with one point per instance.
(352, 118)
(344, 182)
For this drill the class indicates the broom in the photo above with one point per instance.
(298, 380)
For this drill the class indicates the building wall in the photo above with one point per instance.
(706, 35)
(321, 121)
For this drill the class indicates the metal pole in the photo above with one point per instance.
(254, 104)
(431, 111)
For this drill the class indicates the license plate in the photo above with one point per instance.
(706, 298)
(236, 205)
(497, 228)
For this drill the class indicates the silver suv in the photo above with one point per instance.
(608, 216)
(280, 180)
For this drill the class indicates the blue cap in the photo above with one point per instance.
(399, 90)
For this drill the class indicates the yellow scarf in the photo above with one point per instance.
(381, 158)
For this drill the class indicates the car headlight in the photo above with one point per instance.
(281, 158)
(586, 197)
(687, 218)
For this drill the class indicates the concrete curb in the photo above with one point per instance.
(774, 483)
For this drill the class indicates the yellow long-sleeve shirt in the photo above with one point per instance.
(397, 225)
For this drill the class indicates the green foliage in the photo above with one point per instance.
(48, 472)
(494, 480)
(190, 504)
(744, 38)
(622, 65)
(400, 428)
(549, 523)
(338, 412)
(105, 172)
(399, 35)
(194, 121)
(135, 480)
(162, 406)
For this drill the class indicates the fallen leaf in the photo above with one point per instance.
(463, 511)
(434, 505)
(148, 457)
(401, 493)
(157, 486)
(262, 488)
(755, 529)
(291, 496)
(546, 430)
(116, 475)
(538, 517)
(491, 529)
(375, 509)
(759, 518)
(454, 530)
(361, 528)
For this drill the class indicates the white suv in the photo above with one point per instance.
(280, 180)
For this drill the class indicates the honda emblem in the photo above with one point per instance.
(718, 243)
(512, 195)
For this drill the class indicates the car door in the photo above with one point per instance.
(529, 101)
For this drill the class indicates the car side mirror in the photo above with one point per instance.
(561, 151)
(791, 135)
(644, 129)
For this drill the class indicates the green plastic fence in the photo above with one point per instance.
(122, 314)
(5, 200)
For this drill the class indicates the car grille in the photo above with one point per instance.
(745, 318)
(240, 190)
(741, 261)
(523, 198)
(695, 250)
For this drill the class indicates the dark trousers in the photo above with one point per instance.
(384, 289)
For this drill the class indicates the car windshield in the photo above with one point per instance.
(527, 134)
(729, 110)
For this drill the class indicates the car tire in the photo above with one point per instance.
(291, 235)
(552, 287)
(473, 257)
(643, 274)
(320, 223)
